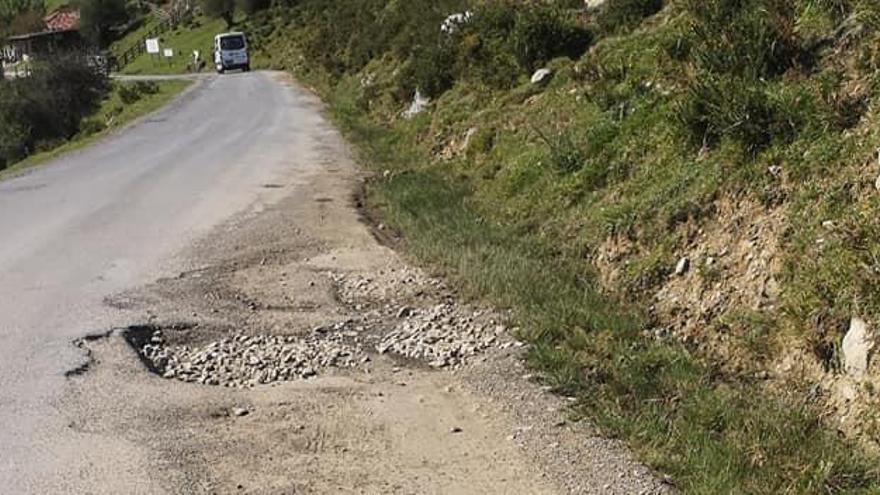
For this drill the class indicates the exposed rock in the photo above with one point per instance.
(682, 266)
(454, 21)
(418, 105)
(858, 344)
(240, 411)
(542, 76)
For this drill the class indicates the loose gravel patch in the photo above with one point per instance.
(437, 331)
(244, 361)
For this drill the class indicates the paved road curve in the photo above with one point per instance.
(105, 219)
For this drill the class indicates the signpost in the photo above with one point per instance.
(153, 46)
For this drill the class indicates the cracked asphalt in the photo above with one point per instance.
(111, 217)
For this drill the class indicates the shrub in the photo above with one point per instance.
(543, 32)
(222, 9)
(754, 39)
(564, 155)
(430, 70)
(252, 6)
(131, 92)
(47, 106)
(502, 40)
(98, 18)
(719, 106)
(14, 130)
(623, 15)
(737, 48)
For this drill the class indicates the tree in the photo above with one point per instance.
(251, 6)
(29, 21)
(11, 9)
(99, 17)
(223, 9)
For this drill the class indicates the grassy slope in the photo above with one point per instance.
(710, 437)
(110, 116)
(510, 224)
(183, 40)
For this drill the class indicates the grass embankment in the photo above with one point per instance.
(126, 102)
(512, 189)
(197, 34)
(710, 436)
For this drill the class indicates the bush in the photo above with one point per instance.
(623, 15)
(563, 154)
(98, 18)
(251, 6)
(47, 106)
(14, 130)
(718, 107)
(543, 32)
(737, 48)
(131, 92)
(221, 9)
(755, 39)
(430, 70)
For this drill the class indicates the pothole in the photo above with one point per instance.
(244, 361)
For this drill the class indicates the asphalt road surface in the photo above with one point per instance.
(111, 217)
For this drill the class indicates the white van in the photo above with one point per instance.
(230, 52)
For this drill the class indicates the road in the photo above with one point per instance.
(108, 218)
(230, 212)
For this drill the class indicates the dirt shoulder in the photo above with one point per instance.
(300, 355)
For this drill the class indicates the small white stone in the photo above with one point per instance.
(857, 346)
(682, 266)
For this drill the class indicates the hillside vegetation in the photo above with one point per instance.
(684, 219)
(64, 104)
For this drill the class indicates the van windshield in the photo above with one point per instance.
(232, 43)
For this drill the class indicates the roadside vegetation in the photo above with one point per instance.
(658, 114)
(65, 105)
(195, 33)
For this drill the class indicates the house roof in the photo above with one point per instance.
(62, 19)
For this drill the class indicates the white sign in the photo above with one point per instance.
(169, 52)
(152, 45)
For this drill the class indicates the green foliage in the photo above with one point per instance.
(130, 93)
(737, 47)
(752, 39)
(617, 16)
(563, 153)
(543, 32)
(745, 111)
(28, 21)
(221, 9)
(47, 106)
(99, 18)
(252, 6)
(494, 46)
(10, 9)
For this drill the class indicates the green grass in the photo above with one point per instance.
(112, 115)
(183, 40)
(709, 435)
(54, 4)
(133, 37)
